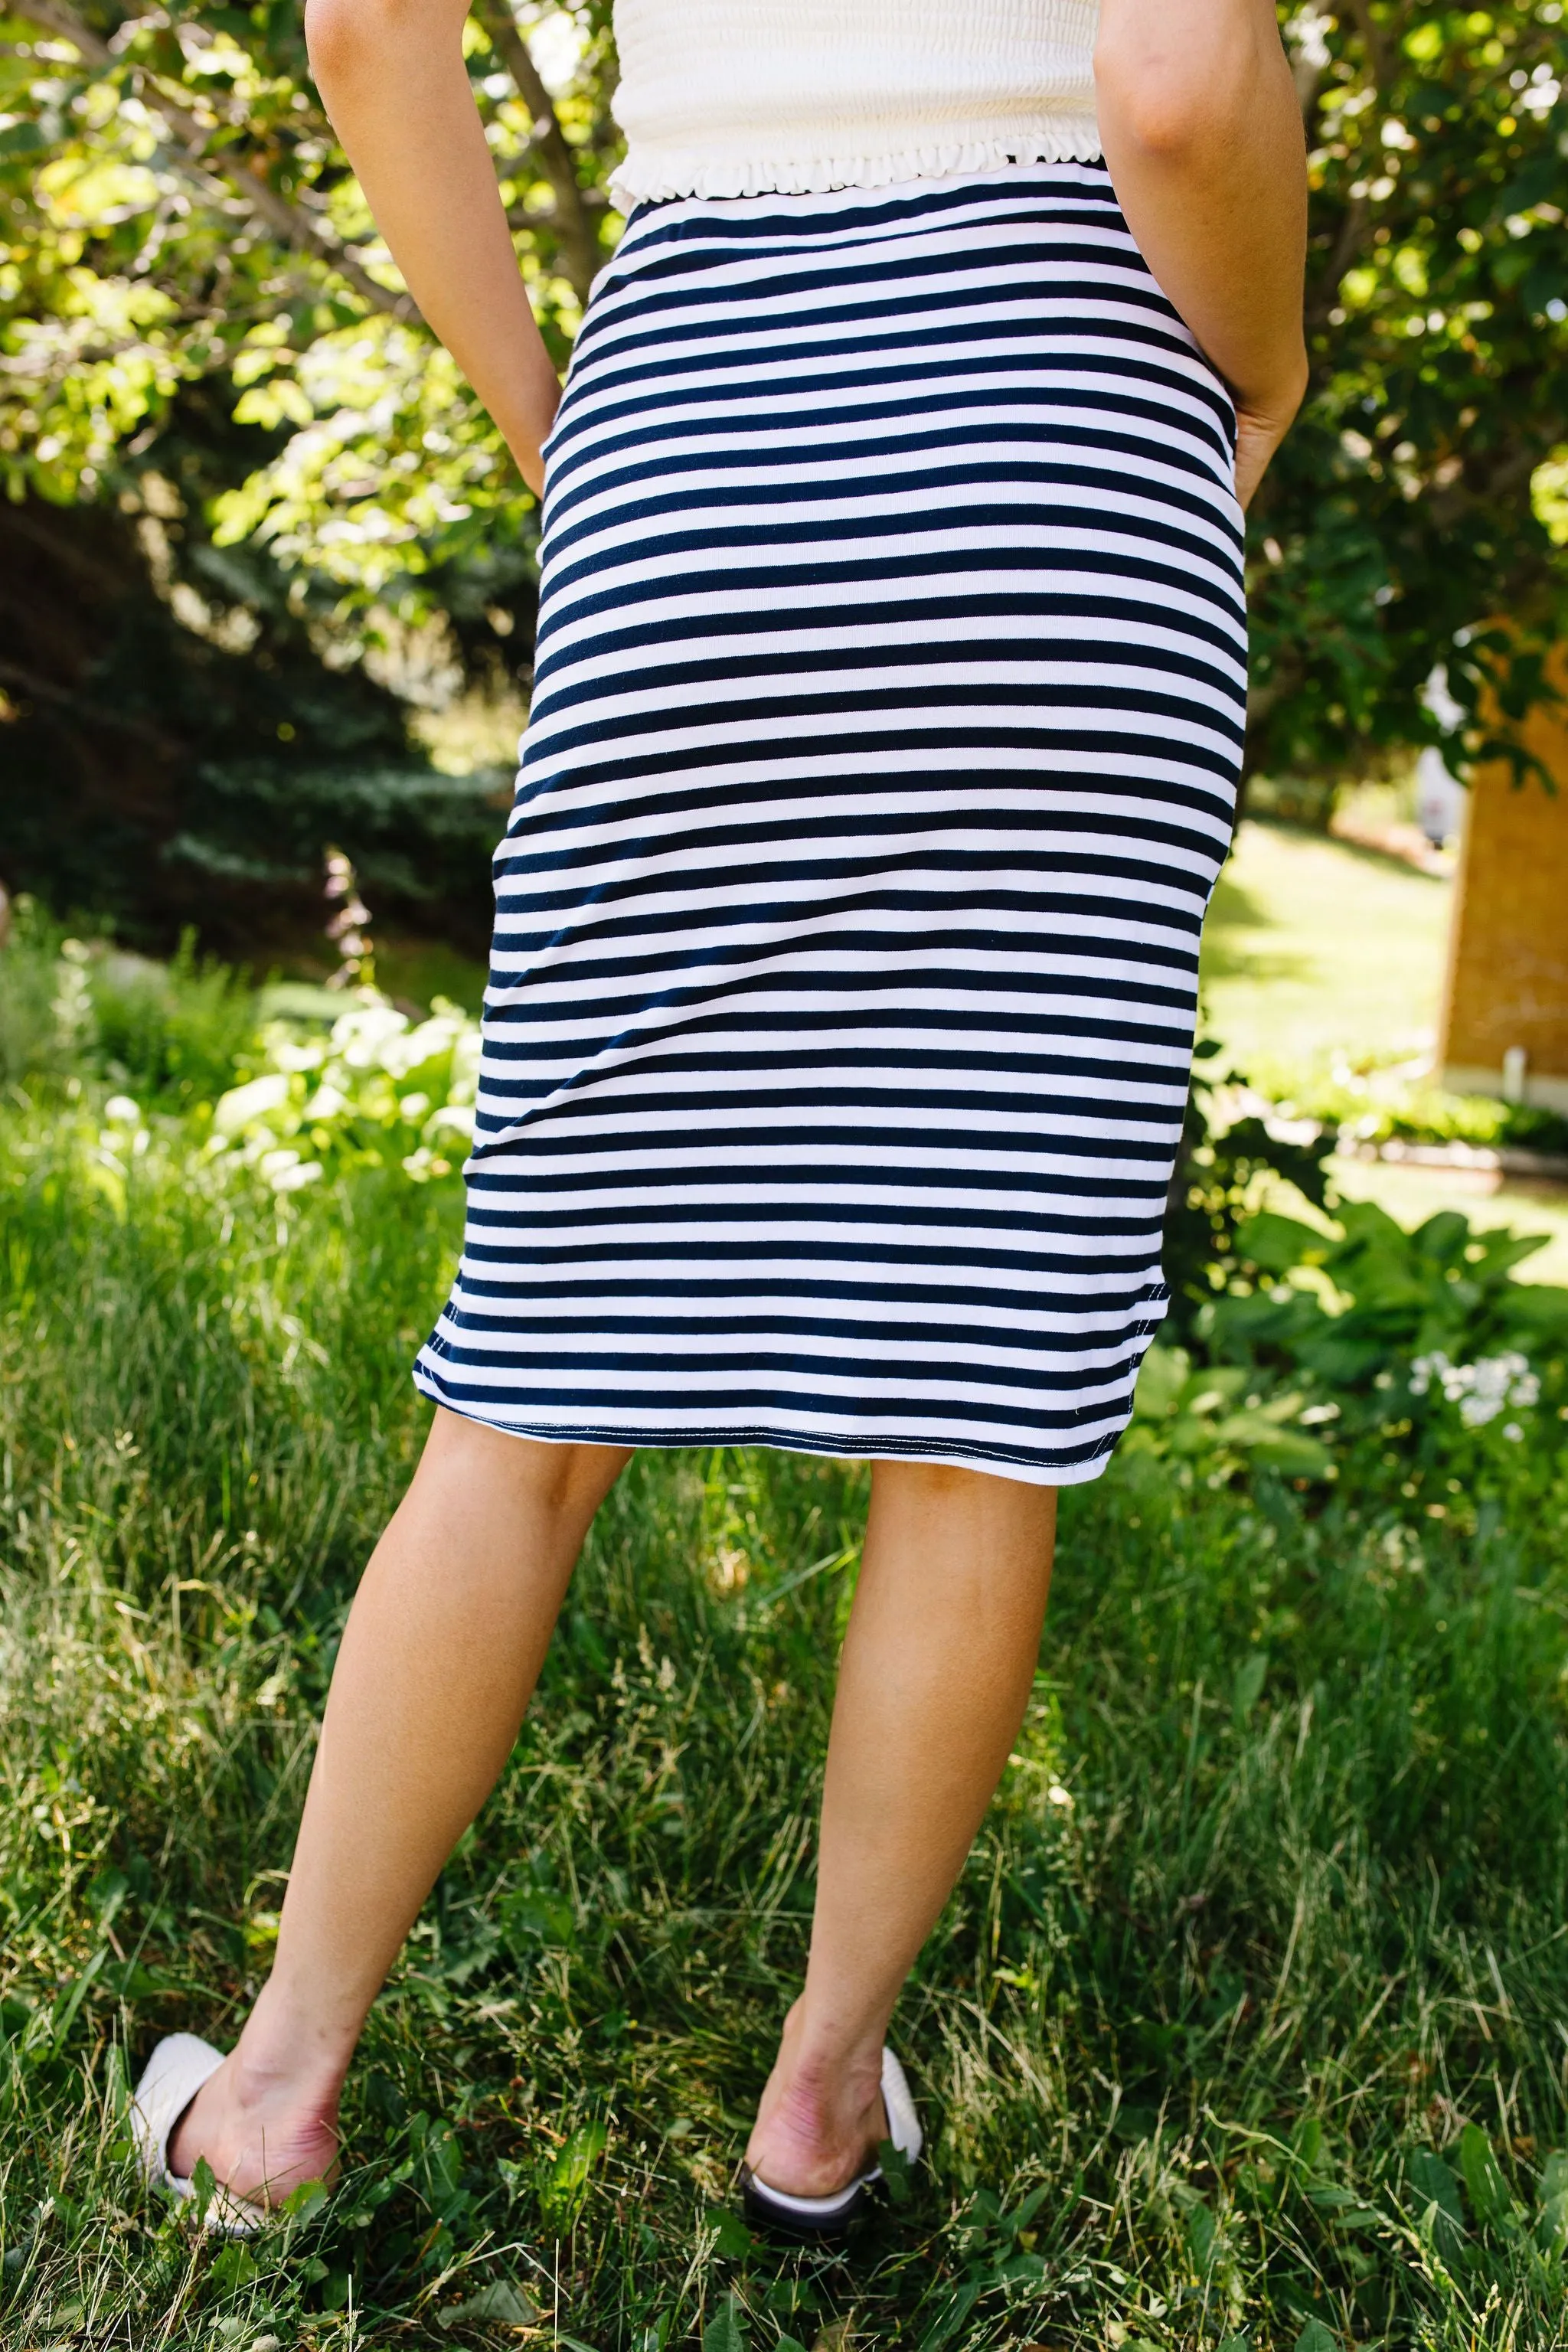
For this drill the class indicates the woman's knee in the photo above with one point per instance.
(566, 1478)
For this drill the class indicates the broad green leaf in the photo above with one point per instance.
(951, 2318)
(1438, 2203)
(1277, 1244)
(503, 2304)
(1202, 2234)
(725, 2332)
(731, 2236)
(1293, 1454)
(1161, 1381)
(1489, 2200)
(1247, 1687)
(1435, 2183)
(233, 2268)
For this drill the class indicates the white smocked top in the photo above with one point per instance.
(742, 97)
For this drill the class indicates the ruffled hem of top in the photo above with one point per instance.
(659, 178)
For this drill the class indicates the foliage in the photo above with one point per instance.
(1240, 2027)
(380, 1090)
(162, 765)
(239, 472)
(1202, 1420)
(182, 213)
(1429, 1370)
(212, 373)
(80, 1008)
(1395, 533)
(1227, 1144)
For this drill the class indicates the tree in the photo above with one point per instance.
(214, 390)
(236, 464)
(1397, 532)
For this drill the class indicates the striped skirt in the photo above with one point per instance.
(882, 756)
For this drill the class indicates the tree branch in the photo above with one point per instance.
(1322, 295)
(1373, 41)
(580, 251)
(288, 222)
(95, 714)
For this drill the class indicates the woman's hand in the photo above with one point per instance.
(1203, 138)
(392, 77)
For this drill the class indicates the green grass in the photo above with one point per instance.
(1258, 1971)
(1320, 955)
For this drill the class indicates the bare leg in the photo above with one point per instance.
(937, 1666)
(444, 1644)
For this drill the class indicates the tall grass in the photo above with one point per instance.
(1246, 2022)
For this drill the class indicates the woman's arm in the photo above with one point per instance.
(1203, 141)
(392, 77)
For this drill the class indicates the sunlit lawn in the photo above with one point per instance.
(1318, 953)
(1254, 1982)
(1322, 956)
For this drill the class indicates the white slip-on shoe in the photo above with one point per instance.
(176, 2072)
(828, 2217)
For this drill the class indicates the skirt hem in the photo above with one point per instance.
(837, 1447)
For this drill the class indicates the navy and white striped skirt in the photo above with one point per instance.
(882, 756)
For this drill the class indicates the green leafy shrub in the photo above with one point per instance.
(379, 1089)
(1421, 1350)
(83, 1009)
(1214, 1421)
(1220, 1160)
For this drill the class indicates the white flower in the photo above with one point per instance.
(120, 1111)
(1480, 1390)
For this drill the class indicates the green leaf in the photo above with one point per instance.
(1536, 1309)
(569, 2173)
(502, 2304)
(1202, 2235)
(1247, 1687)
(1489, 2199)
(1316, 2337)
(1435, 2184)
(955, 2311)
(234, 2268)
(724, 2332)
(1437, 2196)
(1275, 1243)
(1293, 1455)
(895, 2167)
(1161, 1379)
(1551, 2224)
(731, 2236)
(305, 2202)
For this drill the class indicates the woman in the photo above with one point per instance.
(882, 756)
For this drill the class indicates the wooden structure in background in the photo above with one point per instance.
(1505, 1008)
